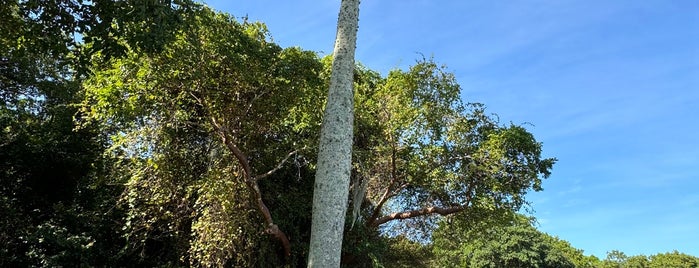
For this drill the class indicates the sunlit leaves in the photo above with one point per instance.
(221, 229)
(165, 112)
(434, 150)
(120, 94)
(488, 243)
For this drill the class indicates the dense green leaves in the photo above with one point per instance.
(422, 152)
(53, 210)
(510, 244)
(150, 133)
(673, 259)
(196, 125)
(514, 242)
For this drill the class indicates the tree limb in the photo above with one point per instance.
(389, 192)
(424, 211)
(279, 166)
(251, 183)
(418, 212)
(386, 195)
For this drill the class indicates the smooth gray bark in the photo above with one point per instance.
(335, 148)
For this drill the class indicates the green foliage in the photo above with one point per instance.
(164, 113)
(46, 167)
(111, 153)
(673, 259)
(509, 241)
(156, 79)
(403, 252)
(221, 229)
(52, 245)
(574, 255)
(639, 261)
(363, 247)
(421, 149)
(109, 29)
(515, 244)
(60, 209)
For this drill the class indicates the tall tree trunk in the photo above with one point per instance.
(335, 151)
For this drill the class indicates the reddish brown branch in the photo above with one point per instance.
(425, 211)
(386, 195)
(377, 209)
(389, 192)
(251, 183)
(416, 213)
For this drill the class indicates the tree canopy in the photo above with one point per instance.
(164, 133)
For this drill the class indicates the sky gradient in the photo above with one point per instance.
(610, 87)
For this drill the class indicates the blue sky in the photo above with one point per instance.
(611, 88)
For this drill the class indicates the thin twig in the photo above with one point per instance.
(279, 166)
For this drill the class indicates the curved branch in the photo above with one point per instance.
(389, 191)
(279, 166)
(426, 211)
(416, 213)
(251, 183)
(386, 195)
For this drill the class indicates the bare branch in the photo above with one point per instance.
(279, 166)
(400, 188)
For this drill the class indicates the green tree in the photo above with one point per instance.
(673, 259)
(576, 256)
(428, 154)
(639, 261)
(616, 258)
(60, 210)
(46, 168)
(335, 146)
(196, 127)
(403, 252)
(209, 132)
(420, 153)
(517, 244)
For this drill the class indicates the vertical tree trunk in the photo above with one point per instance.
(335, 152)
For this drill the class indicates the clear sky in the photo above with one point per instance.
(611, 88)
